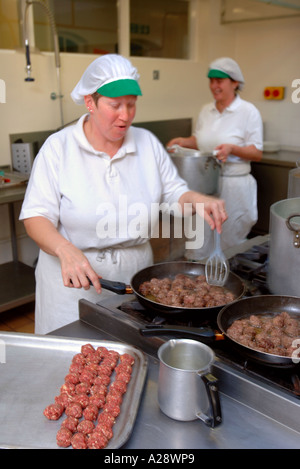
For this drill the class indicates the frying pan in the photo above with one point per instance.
(257, 305)
(170, 269)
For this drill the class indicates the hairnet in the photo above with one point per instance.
(113, 72)
(227, 67)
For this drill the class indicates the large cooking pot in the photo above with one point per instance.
(265, 305)
(170, 269)
(200, 170)
(284, 254)
(294, 182)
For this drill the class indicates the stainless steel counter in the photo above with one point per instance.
(272, 176)
(242, 427)
(281, 158)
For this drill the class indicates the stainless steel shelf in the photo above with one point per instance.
(17, 285)
(17, 280)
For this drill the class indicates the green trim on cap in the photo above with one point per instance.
(217, 74)
(122, 87)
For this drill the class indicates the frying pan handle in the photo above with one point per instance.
(117, 287)
(204, 334)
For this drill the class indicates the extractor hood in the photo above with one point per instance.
(253, 10)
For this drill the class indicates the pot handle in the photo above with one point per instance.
(211, 387)
(296, 242)
(204, 334)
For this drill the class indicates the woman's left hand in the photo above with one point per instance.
(224, 151)
(214, 211)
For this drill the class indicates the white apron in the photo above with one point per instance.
(112, 264)
(239, 190)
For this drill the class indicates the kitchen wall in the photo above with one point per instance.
(267, 51)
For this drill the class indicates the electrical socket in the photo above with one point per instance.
(22, 157)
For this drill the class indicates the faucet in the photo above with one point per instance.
(43, 4)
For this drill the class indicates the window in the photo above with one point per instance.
(159, 28)
(83, 26)
(9, 25)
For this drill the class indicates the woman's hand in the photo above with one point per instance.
(76, 269)
(214, 209)
(186, 142)
(224, 151)
(249, 153)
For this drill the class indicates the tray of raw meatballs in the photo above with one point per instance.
(68, 393)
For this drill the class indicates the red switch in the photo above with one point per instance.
(274, 92)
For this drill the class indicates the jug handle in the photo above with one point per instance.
(214, 401)
(296, 242)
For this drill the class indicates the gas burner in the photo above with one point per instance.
(252, 267)
(136, 310)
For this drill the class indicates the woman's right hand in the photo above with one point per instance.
(76, 269)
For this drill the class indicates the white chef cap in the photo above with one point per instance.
(226, 67)
(110, 75)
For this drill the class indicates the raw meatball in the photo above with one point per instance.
(112, 408)
(97, 440)
(63, 437)
(74, 410)
(79, 441)
(86, 349)
(82, 399)
(106, 419)
(91, 412)
(53, 411)
(70, 423)
(105, 429)
(63, 399)
(98, 400)
(86, 427)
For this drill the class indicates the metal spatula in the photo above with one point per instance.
(217, 266)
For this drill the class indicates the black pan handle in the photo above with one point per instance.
(117, 287)
(205, 334)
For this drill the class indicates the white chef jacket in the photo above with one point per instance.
(86, 194)
(239, 124)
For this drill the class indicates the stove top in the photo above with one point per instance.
(124, 319)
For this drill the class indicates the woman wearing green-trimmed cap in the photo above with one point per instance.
(89, 200)
(233, 127)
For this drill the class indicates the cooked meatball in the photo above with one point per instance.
(185, 291)
(265, 333)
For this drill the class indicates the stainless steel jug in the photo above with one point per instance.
(186, 388)
(294, 182)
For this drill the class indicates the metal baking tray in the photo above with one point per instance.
(14, 178)
(32, 370)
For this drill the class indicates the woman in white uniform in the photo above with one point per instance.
(90, 194)
(233, 127)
